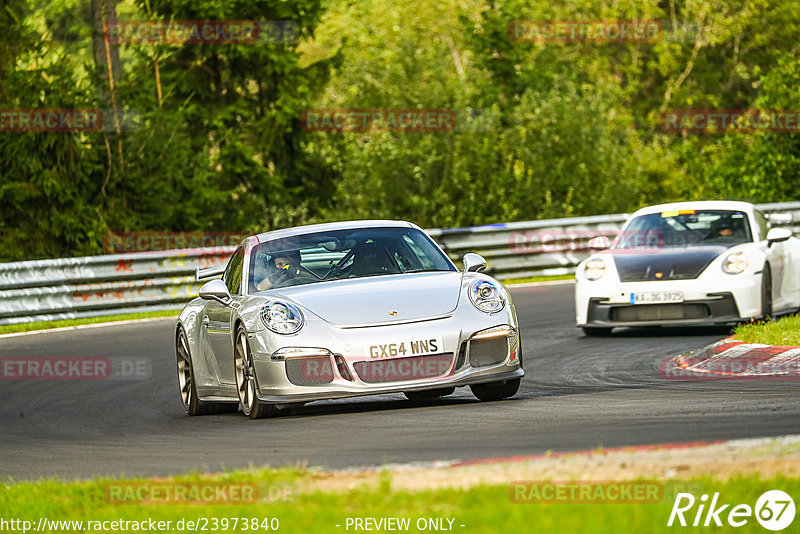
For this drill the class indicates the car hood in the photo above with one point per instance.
(380, 299)
(638, 265)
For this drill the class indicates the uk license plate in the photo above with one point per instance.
(656, 297)
(404, 348)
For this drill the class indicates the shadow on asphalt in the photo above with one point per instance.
(669, 331)
(349, 406)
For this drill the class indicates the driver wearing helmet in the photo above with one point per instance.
(286, 266)
(724, 228)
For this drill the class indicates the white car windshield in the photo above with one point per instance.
(339, 254)
(685, 228)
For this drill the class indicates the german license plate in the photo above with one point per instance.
(656, 297)
(407, 347)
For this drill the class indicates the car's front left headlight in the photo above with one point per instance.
(735, 263)
(486, 296)
(282, 317)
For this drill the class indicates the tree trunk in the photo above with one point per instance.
(106, 56)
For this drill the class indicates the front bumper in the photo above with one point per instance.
(718, 301)
(338, 366)
(717, 309)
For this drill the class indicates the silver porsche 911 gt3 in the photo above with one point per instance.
(340, 310)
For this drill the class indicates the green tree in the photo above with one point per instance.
(759, 167)
(47, 179)
(213, 137)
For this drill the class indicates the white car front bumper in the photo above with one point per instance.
(706, 300)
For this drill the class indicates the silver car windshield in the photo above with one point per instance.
(335, 255)
(685, 228)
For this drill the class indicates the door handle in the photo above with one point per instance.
(205, 321)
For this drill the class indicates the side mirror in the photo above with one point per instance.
(216, 290)
(777, 235)
(600, 242)
(473, 263)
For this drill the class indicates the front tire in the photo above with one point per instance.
(493, 391)
(246, 384)
(428, 394)
(192, 404)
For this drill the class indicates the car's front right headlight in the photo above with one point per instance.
(282, 317)
(595, 269)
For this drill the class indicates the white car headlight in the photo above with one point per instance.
(595, 269)
(735, 263)
(282, 317)
(486, 296)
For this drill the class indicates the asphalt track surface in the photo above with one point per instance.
(579, 393)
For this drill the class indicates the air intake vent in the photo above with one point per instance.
(485, 352)
(309, 371)
(402, 369)
(659, 312)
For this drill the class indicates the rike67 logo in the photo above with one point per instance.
(774, 510)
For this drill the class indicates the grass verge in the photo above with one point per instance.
(784, 331)
(542, 278)
(484, 508)
(45, 325)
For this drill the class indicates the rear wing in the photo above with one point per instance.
(210, 272)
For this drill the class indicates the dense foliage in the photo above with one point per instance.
(217, 143)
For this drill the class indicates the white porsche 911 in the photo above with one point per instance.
(714, 262)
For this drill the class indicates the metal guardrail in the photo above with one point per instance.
(44, 290)
(531, 248)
